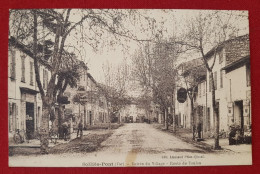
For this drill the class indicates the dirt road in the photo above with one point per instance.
(144, 139)
(136, 145)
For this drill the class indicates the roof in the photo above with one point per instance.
(25, 49)
(223, 44)
(194, 65)
(237, 63)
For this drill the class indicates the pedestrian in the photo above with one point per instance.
(65, 130)
(80, 127)
(237, 137)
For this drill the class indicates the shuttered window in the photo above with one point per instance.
(220, 54)
(31, 73)
(13, 65)
(12, 117)
(215, 80)
(210, 85)
(248, 78)
(45, 79)
(23, 69)
(221, 79)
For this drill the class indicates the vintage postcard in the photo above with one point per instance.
(129, 88)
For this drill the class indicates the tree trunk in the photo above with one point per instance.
(109, 119)
(217, 146)
(215, 111)
(173, 122)
(85, 117)
(166, 119)
(60, 131)
(193, 120)
(44, 131)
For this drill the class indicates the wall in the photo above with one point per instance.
(239, 91)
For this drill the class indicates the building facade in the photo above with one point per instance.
(231, 74)
(24, 100)
(86, 102)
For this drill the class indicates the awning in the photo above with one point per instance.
(28, 90)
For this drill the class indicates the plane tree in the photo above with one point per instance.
(62, 31)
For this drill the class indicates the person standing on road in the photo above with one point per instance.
(80, 127)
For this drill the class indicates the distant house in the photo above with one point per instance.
(97, 107)
(132, 113)
(192, 77)
(75, 109)
(86, 102)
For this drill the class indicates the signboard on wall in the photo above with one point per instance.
(230, 109)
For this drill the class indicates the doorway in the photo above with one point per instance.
(90, 118)
(29, 120)
(238, 113)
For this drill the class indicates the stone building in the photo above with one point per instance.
(232, 83)
(91, 106)
(192, 78)
(232, 89)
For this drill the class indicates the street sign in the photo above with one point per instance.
(182, 95)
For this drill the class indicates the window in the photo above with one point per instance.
(210, 85)
(12, 116)
(45, 79)
(100, 116)
(13, 65)
(215, 80)
(199, 89)
(221, 79)
(248, 78)
(23, 69)
(31, 73)
(204, 88)
(220, 54)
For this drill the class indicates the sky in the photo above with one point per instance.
(169, 21)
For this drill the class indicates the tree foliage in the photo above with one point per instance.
(116, 85)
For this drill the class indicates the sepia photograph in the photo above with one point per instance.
(129, 88)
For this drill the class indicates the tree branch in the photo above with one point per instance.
(36, 66)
